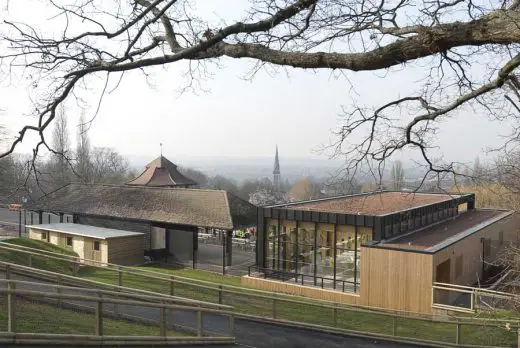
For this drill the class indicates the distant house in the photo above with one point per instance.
(384, 249)
(161, 172)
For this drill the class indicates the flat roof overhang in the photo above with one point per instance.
(399, 243)
(85, 230)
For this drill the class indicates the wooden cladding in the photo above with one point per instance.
(300, 290)
(392, 279)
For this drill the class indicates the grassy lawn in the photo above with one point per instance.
(41, 262)
(195, 274)
(43, 318)
(243, 302)
(307, 313)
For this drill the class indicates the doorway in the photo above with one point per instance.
(443, 272)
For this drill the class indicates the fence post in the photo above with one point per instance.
(172, 290)
(457, 334)
(119, 276)
(58, 289)
(335, 316)
(518, 339)
(11, 310)
(7, 271)
(274, 308)
(199, 323)
(162, 321)
(394, 325)
(99, 316)
(220, 294)
(232, 325)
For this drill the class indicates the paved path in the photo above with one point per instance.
(248, 333)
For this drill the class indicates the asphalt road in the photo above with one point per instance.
(9, 217)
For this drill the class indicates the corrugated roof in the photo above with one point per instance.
(85, 230)
(195, 207)
(161, 172)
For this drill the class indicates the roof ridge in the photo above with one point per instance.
(226, 199)
(144, 187)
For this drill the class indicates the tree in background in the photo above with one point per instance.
(304, 189)
(107, 166)
(199, 177)
(468, 60)
(60, 163)
(83, 160)
(397, 176)
(335, 187)
(478, 170)
(266, 196)
(220, 182)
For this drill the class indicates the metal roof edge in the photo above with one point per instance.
(468, 232)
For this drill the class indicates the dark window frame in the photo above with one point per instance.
(98, 243)
(71, 241)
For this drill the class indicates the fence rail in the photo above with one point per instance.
(468, 299)
(262, 305)
(43, 315)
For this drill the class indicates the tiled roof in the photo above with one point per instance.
(161, 173)
(195, 207)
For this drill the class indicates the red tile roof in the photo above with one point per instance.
(161, 173)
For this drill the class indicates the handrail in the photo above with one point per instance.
(115, 293)
(461, 320)
(253, 293)
(30, 270)
(12, 292)
(162, 275)
(107, 300)
(469, 288)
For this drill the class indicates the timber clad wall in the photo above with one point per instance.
(300, 290)
(467, 253)
(126, 250)
(126, 225)
(394, 279)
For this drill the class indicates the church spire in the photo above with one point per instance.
(276, 171)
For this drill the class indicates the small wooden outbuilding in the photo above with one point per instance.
(106, 245)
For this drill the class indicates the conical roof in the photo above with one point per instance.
(161, 172)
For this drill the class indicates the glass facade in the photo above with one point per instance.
(315, 254)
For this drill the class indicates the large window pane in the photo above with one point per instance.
(272, 245)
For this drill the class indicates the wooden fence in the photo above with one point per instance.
(64, 302)
(293, 310)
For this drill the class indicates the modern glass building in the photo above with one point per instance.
(318, 243)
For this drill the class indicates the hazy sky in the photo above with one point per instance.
(295, 109)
